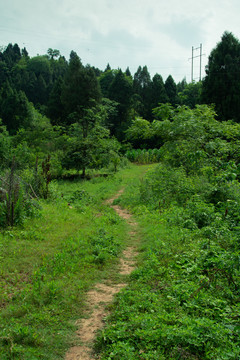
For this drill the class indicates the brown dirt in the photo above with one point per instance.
(102, 295)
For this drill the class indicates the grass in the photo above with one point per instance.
(48, 264)
(182, 301)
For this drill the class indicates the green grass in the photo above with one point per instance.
(182, 301)
(48, 264)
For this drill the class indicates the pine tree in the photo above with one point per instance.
(105, 82)
(221, 85)
(159, 94)
(55, 107)
(142, 86)
(171, 90)
(13, 109)
(80, 90)
(121, 92)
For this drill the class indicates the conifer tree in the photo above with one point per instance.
(171, 90)
(80, 91)
(121, 92)
(142, 86)
(221, 85)
(159, 94)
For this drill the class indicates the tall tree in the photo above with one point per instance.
(13, 109)
(40, 78)
(221, 85)
(55, 109)
(159, 94)
(171, 90)
(121, 92)
(11, 55)
(105, 80)
(80, 91)
(80, 94)
(128, 72)
(142, 86)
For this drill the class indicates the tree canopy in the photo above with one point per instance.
(221, 85)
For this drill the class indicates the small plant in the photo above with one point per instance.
(104, 247)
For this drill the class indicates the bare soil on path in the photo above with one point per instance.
(102, 295)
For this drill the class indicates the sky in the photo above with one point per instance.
(124, 33)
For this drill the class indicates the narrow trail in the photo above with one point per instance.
(102, 294)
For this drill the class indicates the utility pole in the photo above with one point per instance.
(193, 57)
(200, 73)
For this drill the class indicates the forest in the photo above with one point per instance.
(72, 135)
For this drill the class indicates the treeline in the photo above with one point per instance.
(46, 81)
(67, 116)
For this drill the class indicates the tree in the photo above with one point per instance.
(181, 85)
(142, 86)
(111, 111)
(80, 91)
(163, 111)
(221, 85)
(80, 96)
(55, 107)
(40, 77)
(171, 90)
(191, 94)
(128, 72)
(11, 55)
(108, 67)
(159, 94)
(140, 133)
(120, 91)
(53, 53)
(89, 149)
(13, 108)
(58, 68)
(40, 65)
(105, 81)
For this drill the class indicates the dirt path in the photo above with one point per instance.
(102, 295)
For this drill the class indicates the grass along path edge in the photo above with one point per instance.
(103, 293)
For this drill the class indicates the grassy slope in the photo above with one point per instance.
(47, 265)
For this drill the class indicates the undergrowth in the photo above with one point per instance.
(183, 299)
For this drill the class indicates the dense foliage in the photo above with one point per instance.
(183, 300)
(221, 85)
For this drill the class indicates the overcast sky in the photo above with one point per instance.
(156, 33)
